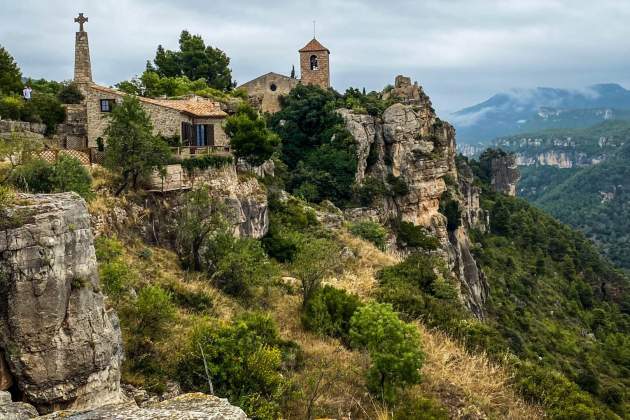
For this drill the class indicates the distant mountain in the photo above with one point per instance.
(526, 110)
(581, 177)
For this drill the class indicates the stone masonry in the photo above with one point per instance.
(320, 75)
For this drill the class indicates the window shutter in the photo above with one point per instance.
(210, 134)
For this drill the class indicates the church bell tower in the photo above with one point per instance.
(315, 64)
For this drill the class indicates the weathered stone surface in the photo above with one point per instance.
(505, 174)
(6, 379)
(184, 407)
(474, 288)
(62, 345)
(15, 410)
(473, 215)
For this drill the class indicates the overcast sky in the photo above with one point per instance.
(461, 51)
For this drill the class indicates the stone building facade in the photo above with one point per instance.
(265, 91)
(198, 122)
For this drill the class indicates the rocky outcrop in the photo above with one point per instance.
(412, 152)
(61, 344)
(505, 174)
(194, 406)
(10, 410)
(473, 216)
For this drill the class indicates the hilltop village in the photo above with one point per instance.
(181, 247)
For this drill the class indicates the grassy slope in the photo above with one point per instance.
(464, 383)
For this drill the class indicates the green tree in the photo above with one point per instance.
(16, 150)
(10, 75)
(196, 61)
(132, 149)
(314, 260)
(394, 348)
(68, 174)
(70, 94)
(250, 138)
(199, 217)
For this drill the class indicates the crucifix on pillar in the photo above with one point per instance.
(80, 20)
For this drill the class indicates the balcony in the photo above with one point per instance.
(186, 152)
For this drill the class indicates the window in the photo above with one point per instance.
(197, 135)
(314, 62)
(273, 87)
(107, 105)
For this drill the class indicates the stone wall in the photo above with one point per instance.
(319, 77)
(262, 94)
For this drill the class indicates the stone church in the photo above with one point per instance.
(198, 122)
(265, 91)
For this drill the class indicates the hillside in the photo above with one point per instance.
(532, 110)
(568, 148)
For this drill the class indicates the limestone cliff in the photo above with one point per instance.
(409, 145)
(61, 344)
(504, 174)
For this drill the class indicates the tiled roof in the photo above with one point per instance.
(196, 106)
(313, 46)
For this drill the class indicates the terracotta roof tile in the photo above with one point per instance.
(196, 106)
(313, 46)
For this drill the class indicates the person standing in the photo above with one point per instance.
(26, 93)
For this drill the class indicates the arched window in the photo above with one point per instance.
(314, 62)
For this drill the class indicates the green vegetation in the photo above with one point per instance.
(315, 259)
(250, 139)
(202, 163)
(394, 348)
(412, 236)
(69, 93)
(66, 174)
(195, 61)
(370, 231)
(329, 311)
(243, 361)
(592, 199)
(10, 74)
(132, 149)
(317, 149)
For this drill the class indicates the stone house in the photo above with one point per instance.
(197, 122)
(265, 91)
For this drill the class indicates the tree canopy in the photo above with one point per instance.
(10, 74)
(132, 149)
(250, 138)
(195, 61)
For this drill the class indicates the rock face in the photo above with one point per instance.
(15, 410)
(505, 174)
(184, 407)
(409, 145)
(61, 344)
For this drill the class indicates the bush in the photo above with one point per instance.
(410, 407)
(66, 174)
(48, 109)
(329, 312)
(250, 138)
(371, 189)
(410, 235)
(116, 276)
(70, 94)
(7, 196)
(244, 361)
(70, 175)
(394, 348)
(107, 249)
(153, 311)
(11, 107)
(240, 266)
(370, 231)
(35, 176)
(450, 209)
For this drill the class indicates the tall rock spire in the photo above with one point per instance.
(82, 65)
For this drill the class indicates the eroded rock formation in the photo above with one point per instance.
(61, 344)
(409, 145)
(505, 174)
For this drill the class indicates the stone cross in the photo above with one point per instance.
(80, 20)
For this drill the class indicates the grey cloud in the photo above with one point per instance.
(461, 51)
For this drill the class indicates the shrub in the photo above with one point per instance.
(450, 209)
(329, 312)
(70, 175)
(48, 109)
(153, 311)
(115, 276)
(315, 259)
(394, 348)
(10, 75)
(410, 407)
(35, 176)
(397, 184)
(107, 249)
(11, 107)
(70, 94)
(250, 138)
(410, 235)
(370, 231)
(7, 196)
(241, 267)
(244, 362)
(371, 189)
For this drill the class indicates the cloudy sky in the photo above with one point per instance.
(461, 51)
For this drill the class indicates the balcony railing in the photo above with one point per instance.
(191, 151)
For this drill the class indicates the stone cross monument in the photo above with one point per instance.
(82, 65)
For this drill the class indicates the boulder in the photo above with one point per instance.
(184, 407)
(15, 410)
(61, 343)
